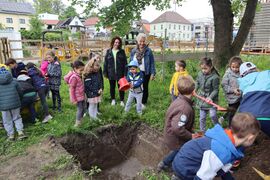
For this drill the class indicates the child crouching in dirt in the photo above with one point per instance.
(10, 104)
(179, 120)
(214, 154)
(255, 87)
(135, 79)
(76, 89)
(93, 85)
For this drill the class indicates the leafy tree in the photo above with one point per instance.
(2, 26)
(35, 31)
(69, 12)
(121, 13)
(49, 6)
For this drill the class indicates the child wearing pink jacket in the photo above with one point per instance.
(76, 89)
(44, 66)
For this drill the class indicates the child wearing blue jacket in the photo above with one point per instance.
(214, 154)
(135, 79)
(255, 87)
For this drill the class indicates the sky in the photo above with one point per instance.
(190, 9)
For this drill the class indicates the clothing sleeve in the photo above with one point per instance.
(101, 79)
(210, 165)
(215, 85)
(127, 77)
(19, 90)
(105, 66)
(178, 126)
(197, 84)
(226, 84)
(72, 86)
(132, 55)
(152, 63)
(139, 82)
(125, 63)
(43, 67)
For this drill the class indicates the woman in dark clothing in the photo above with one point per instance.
(115, 67)
(144, 56)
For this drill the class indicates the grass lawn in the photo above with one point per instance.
(159, 101)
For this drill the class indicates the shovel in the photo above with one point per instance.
(219, 108)
(265, 177)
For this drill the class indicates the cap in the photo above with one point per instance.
(246, 67)
(133, 64)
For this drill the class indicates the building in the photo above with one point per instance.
(259, 34)
(73, 24)
(175, 26)
(203, 30)
(15, 16)
(47, 16)
(91, 29)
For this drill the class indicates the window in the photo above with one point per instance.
(9, 20)
(161, 26)
(9, 28)
(184, 36)
(76, 23)
(179, 27)
(154, 27)
(22, 28)
(161, 34)
(22, 21)
(184, 28)
(197, 27)
(174, 26)
(188, 36)
(188, 28)
(169, 26)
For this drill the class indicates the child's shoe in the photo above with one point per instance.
(77, 123)
(221, 120)
(143, 107)
(122, 104)
(174, 177)
(113, 102)
(162, 166)
(11, 137)
(47, 118)
(21, 135)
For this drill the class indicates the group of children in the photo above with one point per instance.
(212, 153)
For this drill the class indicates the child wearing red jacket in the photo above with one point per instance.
(76, 89)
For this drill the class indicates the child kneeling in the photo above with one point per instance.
(135, 79)
(213, 154)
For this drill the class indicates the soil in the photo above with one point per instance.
(121, 153)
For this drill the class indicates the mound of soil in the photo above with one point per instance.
(257, 156)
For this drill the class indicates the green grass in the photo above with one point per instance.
(159, 101)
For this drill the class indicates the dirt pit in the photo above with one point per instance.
(120, 152)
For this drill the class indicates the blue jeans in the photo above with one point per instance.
(169, 158)
(213, 116)
(28, 102)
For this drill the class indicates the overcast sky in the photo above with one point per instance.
(190, 9)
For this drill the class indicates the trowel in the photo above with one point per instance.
(265, 177)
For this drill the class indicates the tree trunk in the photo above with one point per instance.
(224, 48)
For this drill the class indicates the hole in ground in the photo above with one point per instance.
(120, 151)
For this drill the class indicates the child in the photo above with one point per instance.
(29, 93)
(14, 66)
(255, 87)
(180, 71)
(76, 89)
(135, 79)
(179, 120)
(44, 67)
(10, 104)
(231, 88)
(207, 86)
(93, 85)
(54, 74)
(41, 88)
(213, 154)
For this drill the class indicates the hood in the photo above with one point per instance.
(69, 75)
(229, 71)
(23, 77)
(32, 71)
(218, 134)
(249, 79)
(5, 78)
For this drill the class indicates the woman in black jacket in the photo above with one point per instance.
(115, 67)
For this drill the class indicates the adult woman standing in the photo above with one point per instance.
(115, 67)
(144, 56)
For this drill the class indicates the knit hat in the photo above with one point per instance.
(246, 67)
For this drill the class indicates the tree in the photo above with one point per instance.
(121, 13)
(49, 6)
(35, 31)
(2, 26)
(69, 12)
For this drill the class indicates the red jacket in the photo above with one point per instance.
(179, 122)
(76, 87)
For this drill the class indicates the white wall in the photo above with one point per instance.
(47, 16)
(12, 35)
(76, 22)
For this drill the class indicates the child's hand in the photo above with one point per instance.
(131, 85)
(208, 100)
(197, 135)
(237, 92)
(152, 77)
(75, 102)
(100, 91)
